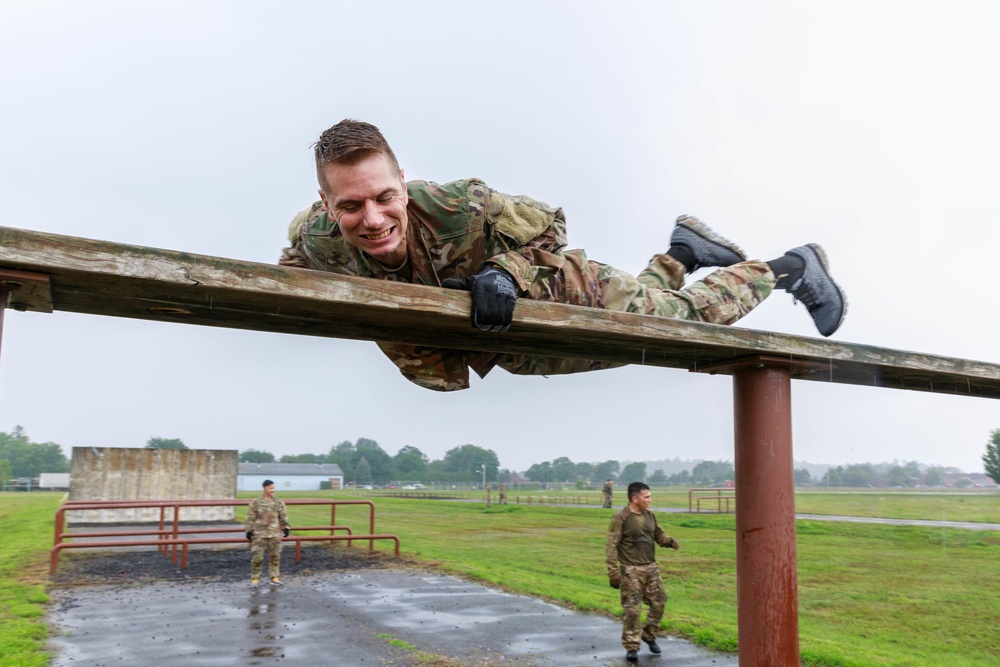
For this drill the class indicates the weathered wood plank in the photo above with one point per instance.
(105, 278)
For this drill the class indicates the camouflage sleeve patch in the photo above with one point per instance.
(521, 218)
(535, 236)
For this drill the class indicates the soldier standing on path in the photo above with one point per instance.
(606, 491)
(630, 554)
(503, 493)
(267, 522)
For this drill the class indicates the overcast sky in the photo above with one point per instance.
(868, 127)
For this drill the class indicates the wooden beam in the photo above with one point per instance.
(105, 278)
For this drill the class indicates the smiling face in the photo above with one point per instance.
(368, 200)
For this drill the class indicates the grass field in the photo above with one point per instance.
(976, 505)
(869, 595)
(26, 521)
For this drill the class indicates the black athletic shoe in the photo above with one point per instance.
(707, 247)
(631, 655)
(826, 302)
(653, 646)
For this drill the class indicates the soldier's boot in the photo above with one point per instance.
(653, 646)
(275, 581)
(254, 582)
(631, 655)
(804, 272)
(696, 245)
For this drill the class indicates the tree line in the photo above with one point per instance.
(366, 462)
(20, 457)
(563, 470)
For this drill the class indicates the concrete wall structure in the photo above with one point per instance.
(126, 474)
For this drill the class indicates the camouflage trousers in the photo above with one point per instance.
(272, 545)
(722, 297)
(641, 583)
(607, 502)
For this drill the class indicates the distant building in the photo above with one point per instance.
(518, 478)
(54, 481)
(289, 476)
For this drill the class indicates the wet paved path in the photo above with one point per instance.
(339, 618)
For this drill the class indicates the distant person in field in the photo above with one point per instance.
(503, 493)
(266, 523)
(606, 492)
(371, 222)
(630, 555)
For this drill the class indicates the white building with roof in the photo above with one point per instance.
(289, 476)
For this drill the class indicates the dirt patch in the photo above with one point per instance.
(211, 564)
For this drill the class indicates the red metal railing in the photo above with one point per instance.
(169, 539)
(711, 494)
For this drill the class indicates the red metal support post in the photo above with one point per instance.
(766, 578)
(6, 287)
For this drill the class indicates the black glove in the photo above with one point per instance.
(286, 531)
(493, 296)
(614, 581)
(249, 534)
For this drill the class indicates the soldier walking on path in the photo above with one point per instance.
(267, 522)
(503, 493)
(630, 554)
(606, 492)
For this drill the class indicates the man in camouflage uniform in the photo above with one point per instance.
(606, 491)
(630, 554)
(503, 493)
(266, 524)
(370, 222)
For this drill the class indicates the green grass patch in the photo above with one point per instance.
(26, 525)
(938, 505)
(421, 657)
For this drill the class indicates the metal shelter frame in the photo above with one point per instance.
(46, 272)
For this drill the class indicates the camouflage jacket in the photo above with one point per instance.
(632, 538)
(454, 229)
(266, 517)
